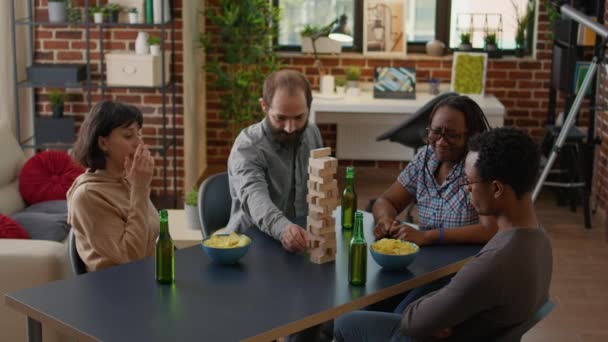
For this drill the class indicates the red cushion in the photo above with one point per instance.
(9, 229)
(47, 176)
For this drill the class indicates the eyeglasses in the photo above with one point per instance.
(465, 182)
(435, 134)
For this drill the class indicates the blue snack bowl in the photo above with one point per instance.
(394, 262)
(225, 256)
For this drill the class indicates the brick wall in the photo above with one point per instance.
(521, 84)
(66, 44)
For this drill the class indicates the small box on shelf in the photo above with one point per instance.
(50, 131)
(56, 73)
(126, 68)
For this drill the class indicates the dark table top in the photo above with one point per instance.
(270, 293)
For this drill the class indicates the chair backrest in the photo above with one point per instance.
(515, 333)
(77, 265)
(410, 132)
(214, 203)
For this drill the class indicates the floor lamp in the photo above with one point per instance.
(601, 31)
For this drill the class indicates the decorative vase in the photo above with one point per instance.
(435, 48)
(326, 84)
(133, 18)
(192, 217)
(141, 44)
(465, 47)
(57, 111)
(155, 50)
(57, 11)
(98, 18)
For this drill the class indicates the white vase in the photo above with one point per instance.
(435, 48)
(141, 44)
(133, 18)
(98, 18)
(57, 12)
(192, 218)
(155, 50)
(327, 84)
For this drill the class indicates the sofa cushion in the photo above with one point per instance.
(47, 176)
(45, 220)
(9, 229)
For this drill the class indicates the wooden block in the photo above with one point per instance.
(319, 231)
(320, 152)
(327, 221)
(321, 179)
(313, 171)
(318, 209)
(331, 202)
(323, 194)
(318, 215)
(333, 185)
(323, 163)
(322, 258)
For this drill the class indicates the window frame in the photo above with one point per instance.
(443, 9)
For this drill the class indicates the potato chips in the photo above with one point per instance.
(232, 240)
(394, 247)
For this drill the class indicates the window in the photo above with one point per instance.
(295, 14)
(425, 21)
(488, 16)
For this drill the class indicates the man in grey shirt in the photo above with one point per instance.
(506, 283)
(267, 167)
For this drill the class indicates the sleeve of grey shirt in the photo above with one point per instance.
(249, 181)
(476, 287)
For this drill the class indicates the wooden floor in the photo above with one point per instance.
(580, 269)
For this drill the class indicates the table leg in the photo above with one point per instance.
(34, 330)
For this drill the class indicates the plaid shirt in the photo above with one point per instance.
(447, 205)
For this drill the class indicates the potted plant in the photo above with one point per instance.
(154, 43)
(319, 35)
(113, 11)
(133, 15)
(57, 100)
(57, 11)
(97, 12)
(491, 46)
(340, 85)
(523, 21)
(353, 74)
(191, 209)
(246, 56)
(74, 14)
(465, 42)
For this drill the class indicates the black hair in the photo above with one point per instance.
(104, 117)
(509, 156)
(474, 118)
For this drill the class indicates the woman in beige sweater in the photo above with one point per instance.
(109, 205)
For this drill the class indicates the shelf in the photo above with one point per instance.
(29, 22)
(92, 85)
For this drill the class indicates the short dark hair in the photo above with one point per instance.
(104, 117)
(475, 119)
(507, 155)
(286, 79)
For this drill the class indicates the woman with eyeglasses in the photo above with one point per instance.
(435, 180)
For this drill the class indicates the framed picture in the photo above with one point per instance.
(384, 27)
(394, 83)
(580, 71)
(469, 72)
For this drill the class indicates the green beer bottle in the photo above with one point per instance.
(165, 262)
(349, 200)
(357, 256)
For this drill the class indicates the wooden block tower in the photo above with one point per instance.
(322, 200)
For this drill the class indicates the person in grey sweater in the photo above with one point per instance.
(506, 283)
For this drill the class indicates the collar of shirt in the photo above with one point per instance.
(433, 164)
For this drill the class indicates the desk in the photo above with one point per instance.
(270, 294)
(361, 119)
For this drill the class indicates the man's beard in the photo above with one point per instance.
(285, 138)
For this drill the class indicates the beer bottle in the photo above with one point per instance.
(349, 200)
(357, 256)
(165, 263)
